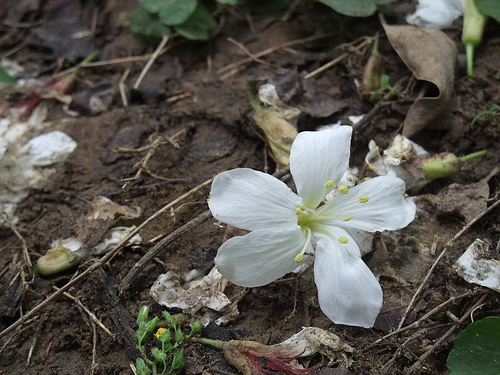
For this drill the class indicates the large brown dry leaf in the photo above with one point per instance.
(430, 55)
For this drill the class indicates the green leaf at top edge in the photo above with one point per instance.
(152, 6)
(147, 25)
(476, 350)
(228, 2)
(489, 8)
(6, 77)
(176, 12)
(199, 26)
(355, 8)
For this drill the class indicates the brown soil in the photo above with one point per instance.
(217, 134)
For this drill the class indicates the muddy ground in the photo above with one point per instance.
(186, 96)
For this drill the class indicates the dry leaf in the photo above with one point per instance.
(430, 55)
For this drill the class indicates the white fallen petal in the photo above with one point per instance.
(114, 236)
(436, 14)
(48, 148)
(317, 158)
(171, 291)
(251, 200)
(348, 292)
(261, 256)
(375, 205)
(475, 268)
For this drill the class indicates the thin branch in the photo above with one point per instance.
(12, 227)
(150, 62)
(159, 247)
(441, 255)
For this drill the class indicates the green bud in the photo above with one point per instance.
(196, 327)
(441, 166)
(141, 367)
(151, 325)
(166, 340)
(170, 319)
(178, 335)
(142, 316)
(178, 361)
(158, 355)
(57, 260)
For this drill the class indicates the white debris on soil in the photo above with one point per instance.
(436, 14)
(269, 96)
(113, 237)
(103, 208)
(476, 266)
(391, 161)
(192, 291)
(25, 154)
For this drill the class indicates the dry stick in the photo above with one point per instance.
(21, 238)
(422, 319)
(270, 50)
(441, 255)
(93, 366)
(417, 365)
(99, 262)
(159, 247)
(150, 62)
(250, 54)
(331, 63)
(121, 86)
(88, 312)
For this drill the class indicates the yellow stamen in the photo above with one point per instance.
(367, 178)
(364, 198)
(298, 210)
(347, 218)
(329, 184)
(344, 189)
(298, 258)
(343, 239)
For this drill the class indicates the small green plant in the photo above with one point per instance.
(385, 86)
(169, 343)
(188, 18)
(491, 111)
(6, 77)
(476, 350)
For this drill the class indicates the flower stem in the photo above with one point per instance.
(205, 341)
(472, 156)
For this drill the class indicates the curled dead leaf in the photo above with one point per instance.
(430, 55)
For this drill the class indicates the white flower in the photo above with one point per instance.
(286, 228)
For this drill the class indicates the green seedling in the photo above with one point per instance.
(491, 111)
(472, 32)
(166, 354)
(385, 87)
(155, 19)
(446, 165)
(7, 78)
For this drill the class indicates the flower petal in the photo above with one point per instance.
(252, 200)
(363, 239)
(261, 256)
(348, 292)
(375, 205)
(318, 157)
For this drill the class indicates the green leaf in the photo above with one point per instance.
(158, 355)
(176, 12)
(229, 2)
(152, 6)
(6, 77)
(142, 315)
(355, 8)
(384, 82)
(141, 367)
(147, 25)
(198, 26)
(489, 8)
(178, 335)
(476, 350)
(151, 325)
(178, 361)
(196, 327)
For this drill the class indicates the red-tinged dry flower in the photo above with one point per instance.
(253, 358)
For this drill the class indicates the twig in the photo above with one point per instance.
(121, 86)
(93, 366)
(91, 315)
(150, 62)
(99, 262)
(423, 318)
(250, 54)
(336, 60)
(417, 365)
(271, 50)
(12, 227)
(30, 353)
(441, 255)
(159, 247)
(177, 97)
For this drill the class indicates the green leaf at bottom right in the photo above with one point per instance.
(476, 350)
